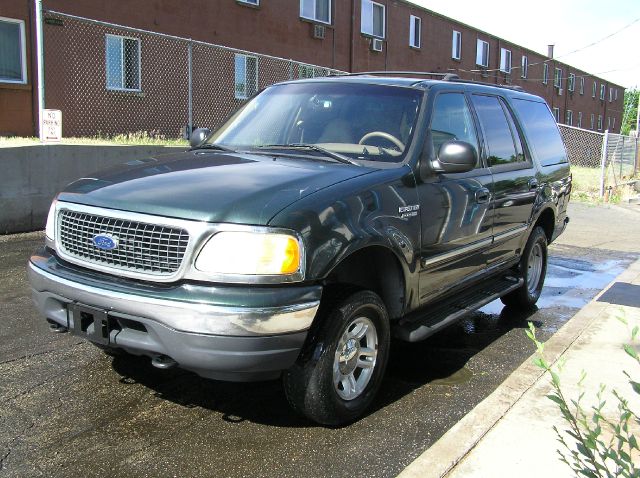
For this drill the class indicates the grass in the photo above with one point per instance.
(139, 138)
(586, 186)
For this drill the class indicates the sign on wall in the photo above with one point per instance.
(51, 127)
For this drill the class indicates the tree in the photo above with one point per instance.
(630, 111)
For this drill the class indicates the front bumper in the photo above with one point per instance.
(228, 333)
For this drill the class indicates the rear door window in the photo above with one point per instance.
(541, 131)
(501, 137)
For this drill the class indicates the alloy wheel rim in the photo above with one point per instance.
(534, 268)
(355, 358)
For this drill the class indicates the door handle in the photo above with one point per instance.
(533, 184)
(483, 195)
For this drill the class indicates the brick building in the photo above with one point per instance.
(98, 74)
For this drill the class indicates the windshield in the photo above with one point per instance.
(357, 121)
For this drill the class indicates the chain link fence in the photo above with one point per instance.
(112, 80)
(600, 162)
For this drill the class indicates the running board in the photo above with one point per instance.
(420, 325)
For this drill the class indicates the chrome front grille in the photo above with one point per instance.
(144, 248)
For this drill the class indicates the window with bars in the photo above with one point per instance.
(246, 76)
(13, 64)
(123, 63)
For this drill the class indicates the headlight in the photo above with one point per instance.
(250, 253)
(50, 229)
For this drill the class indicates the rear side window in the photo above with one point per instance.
(541, 131)
(503, 142)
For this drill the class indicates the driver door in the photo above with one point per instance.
(456, 209)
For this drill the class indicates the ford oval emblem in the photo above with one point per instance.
(105, 241)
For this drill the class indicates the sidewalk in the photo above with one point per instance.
(510, 433)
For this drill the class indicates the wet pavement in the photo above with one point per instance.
(67, 409)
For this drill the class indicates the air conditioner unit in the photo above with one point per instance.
(319, 31)
(376, 44)
(560, 91)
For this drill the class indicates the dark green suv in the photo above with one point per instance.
(322, 218)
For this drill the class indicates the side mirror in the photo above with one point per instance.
(455, 157)
(199, 136)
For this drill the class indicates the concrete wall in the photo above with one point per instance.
(30, 176)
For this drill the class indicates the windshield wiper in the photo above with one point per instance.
(313, 147)
(219, 147)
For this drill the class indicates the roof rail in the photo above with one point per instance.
(443, 76)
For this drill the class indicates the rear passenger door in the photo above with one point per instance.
(455, 209)
(514, 181)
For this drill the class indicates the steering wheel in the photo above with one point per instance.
(382, 134)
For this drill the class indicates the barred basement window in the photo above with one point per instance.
(13, 56)
(122, 63)
(246, 76)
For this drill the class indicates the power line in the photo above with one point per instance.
(602, 39)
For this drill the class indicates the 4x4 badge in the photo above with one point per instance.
(409, 211)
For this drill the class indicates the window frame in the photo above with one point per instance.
(571, 86)
(384, 19)
(524, 66)
(545, 73)
(235, 72)
(456, 46)
(482, 43)
(314, 19)
(557, 77)
(504, 55)
(412, 31)
(556, 114)
(23, 52)
(568, 118)
(599, 122)
(610, 95)
(122, 38)
(603, 91)
(582, 85)
(579, 119)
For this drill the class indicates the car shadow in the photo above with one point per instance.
(441, 358)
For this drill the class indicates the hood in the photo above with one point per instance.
(209, 185)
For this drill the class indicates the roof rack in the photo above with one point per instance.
(442, 76)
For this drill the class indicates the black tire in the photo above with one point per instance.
(533, 269)
(309, 385)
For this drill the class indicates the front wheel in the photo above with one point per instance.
(338, 381)
(533, 269)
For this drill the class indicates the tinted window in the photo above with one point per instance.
(542, 132)
(452, 120)
(499, 131)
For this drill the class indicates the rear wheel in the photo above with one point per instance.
(337, 382)
(533, 269)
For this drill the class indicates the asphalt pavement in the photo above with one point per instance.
(67, 409)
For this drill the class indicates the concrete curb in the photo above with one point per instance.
(459, 440)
